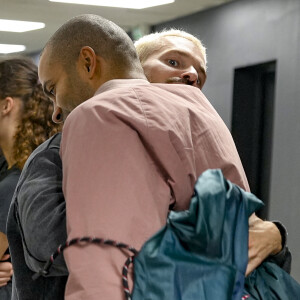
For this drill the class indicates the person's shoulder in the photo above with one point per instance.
(124, 98)
(183, 90)
(128, 99)
(52, 143)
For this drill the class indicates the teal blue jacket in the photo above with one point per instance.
(202, 253)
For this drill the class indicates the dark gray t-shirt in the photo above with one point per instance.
(8, 181)
(36, 225)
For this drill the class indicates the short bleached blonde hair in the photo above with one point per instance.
(150, 43)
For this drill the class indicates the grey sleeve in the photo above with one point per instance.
(41, 211)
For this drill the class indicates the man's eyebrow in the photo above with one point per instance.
(179, 52)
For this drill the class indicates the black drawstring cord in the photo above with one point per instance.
(89, 240)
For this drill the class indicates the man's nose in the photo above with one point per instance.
(57, 116)
(191, 76)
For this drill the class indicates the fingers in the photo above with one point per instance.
(252, 252)
(5, 257)
(249, 269)
(4, 280)
(5, 267)
(263, 241)
(255, 257)
(254, 260)
(6, 272)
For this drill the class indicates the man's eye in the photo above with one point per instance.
(173, 62)
(51, 91)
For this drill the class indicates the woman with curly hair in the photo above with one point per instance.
(25, 123)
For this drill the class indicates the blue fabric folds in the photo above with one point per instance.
(201, 253)
(270, 282)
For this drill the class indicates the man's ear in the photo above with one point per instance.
(88, 61)
(7, 105)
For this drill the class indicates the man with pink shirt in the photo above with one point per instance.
(129, 153)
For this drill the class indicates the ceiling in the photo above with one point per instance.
(55, 14)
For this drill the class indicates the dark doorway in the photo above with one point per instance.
(252, 125)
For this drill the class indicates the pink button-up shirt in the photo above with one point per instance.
(128, 153)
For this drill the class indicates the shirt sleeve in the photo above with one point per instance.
(284, 258)
(112, 189)
(41, 211)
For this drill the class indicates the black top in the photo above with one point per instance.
(37, 225)
(8, 181)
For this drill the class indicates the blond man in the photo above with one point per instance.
(177, 57)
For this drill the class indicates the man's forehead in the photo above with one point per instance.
(46, 58)
(46, 65)
(173, 41)
(43, 59)
(181, 45)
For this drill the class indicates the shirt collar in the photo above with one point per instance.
(116, 83)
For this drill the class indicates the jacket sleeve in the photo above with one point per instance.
(284, 258)
(41, 211)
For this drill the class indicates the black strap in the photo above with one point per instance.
(98, 241)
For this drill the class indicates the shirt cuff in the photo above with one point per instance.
(283, 258)
(283, 233)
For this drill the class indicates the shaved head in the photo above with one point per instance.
(82, 55)
(106, 38)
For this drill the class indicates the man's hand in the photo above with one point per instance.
(264, 240)
(6, 270)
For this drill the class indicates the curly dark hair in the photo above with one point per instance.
(19, 78)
